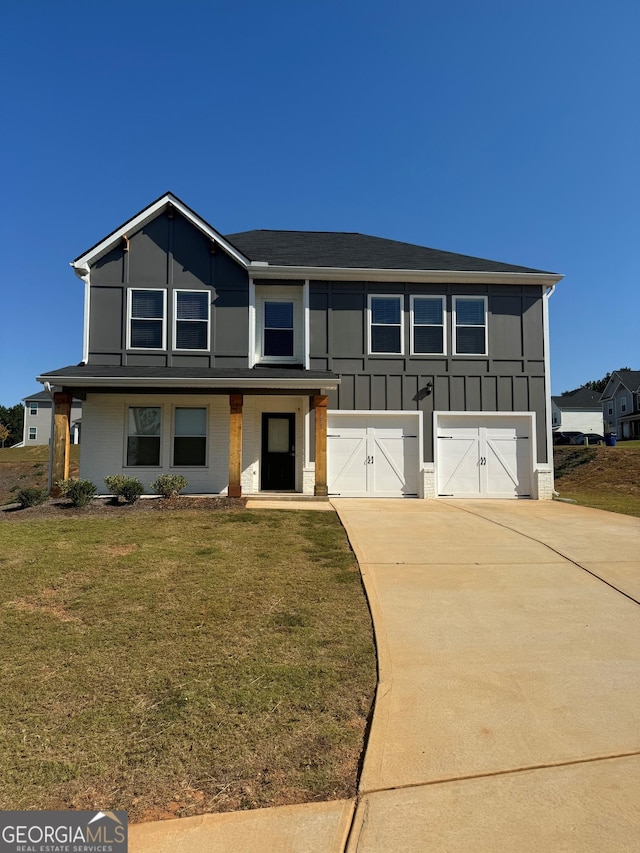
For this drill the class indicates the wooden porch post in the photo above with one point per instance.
(235, 446)
(320, 405)
(60, 440)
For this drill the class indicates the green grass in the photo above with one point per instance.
(610, 501)
(181, 662)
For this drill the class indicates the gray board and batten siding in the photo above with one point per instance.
(169, 252)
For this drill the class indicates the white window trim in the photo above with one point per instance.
(397, 296)
(164, 319)
(176, 321)
(127, 406)
(485, 326)
(295, 295)
(206, 436)
(443, 299)
(33, 408)
(33, 437)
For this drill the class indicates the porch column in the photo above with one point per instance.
(60, 440)
(235, 446)
(320, 406)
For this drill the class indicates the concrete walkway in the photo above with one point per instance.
(507, 715)
(508, 710)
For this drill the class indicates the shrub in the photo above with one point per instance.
(125, 487)
(79, 492)
(169, 485)
(31, 497)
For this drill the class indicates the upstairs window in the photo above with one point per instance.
(190, 437)
(192, 319)
(385, 325)
(427, 318)
(610, 409)
(143, 436)
(278, 329)
(470, 325)
(279, 325)
(33, 408)
(147, 310)
(623, 403)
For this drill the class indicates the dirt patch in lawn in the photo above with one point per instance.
(602, 477)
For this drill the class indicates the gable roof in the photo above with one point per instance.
(629, 378)
(581, 398)
(332, 254)
(357, 251)
(82, 262)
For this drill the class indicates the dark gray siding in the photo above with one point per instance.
(510, 378)
(168, 253)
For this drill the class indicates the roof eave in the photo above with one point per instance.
(269, 271)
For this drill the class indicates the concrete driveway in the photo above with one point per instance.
(508, 711)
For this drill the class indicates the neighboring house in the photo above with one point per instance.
(577, 411)
(38, 416)
(311, 362)
(621, 403)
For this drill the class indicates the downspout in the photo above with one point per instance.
(548, 293)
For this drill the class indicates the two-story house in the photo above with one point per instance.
(621, 403)
(38, 417)
(311, 362)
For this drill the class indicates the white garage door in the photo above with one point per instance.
(372, 455)
(484, 457)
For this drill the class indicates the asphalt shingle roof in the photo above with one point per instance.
(357, 251)
(581, 398)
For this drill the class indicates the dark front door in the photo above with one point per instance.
(278, 453)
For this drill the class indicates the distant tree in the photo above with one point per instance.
(600, 384)
(4, 433)
(13, 418)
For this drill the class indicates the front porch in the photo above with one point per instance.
(245, 452)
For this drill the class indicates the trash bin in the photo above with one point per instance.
(610, 440)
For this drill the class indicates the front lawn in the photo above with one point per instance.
(178, 662)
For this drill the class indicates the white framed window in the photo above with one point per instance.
(470, 325)
(279, 325)
(386, 325)
(191, 311)
(33, 408)
(147, 311)
(623, 403)
(428, 315)
(33, 433)
(143, 436)
(610, 408)
(189, 437)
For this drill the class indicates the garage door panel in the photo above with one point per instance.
(374, 455)
(484, 457)
(346, 464)
(459, 470)
(395, 467)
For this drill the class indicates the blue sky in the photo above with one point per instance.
(506, 129)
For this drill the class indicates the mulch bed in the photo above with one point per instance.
(106, 507)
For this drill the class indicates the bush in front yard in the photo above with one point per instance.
(125, 487)
(79, 492)
(169, 485)
(31, 497)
